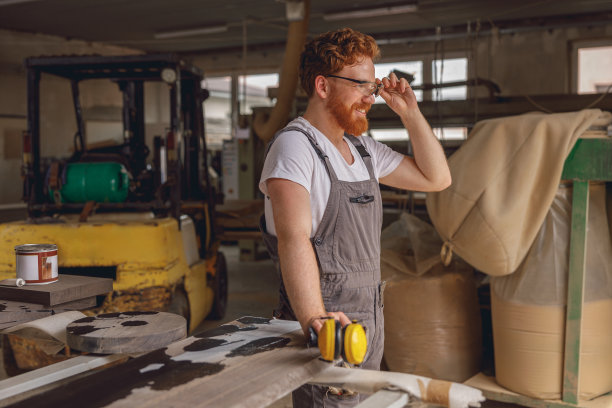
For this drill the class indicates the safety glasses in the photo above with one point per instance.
(366, 87)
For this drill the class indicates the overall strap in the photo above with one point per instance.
(324, 158)
(365, 156)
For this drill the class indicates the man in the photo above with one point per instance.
(323, 211)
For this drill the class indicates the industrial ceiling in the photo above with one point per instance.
(200, 27)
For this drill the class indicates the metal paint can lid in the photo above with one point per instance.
(34, 248)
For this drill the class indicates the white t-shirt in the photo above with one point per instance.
(293, 158)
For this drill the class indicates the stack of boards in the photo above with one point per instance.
(31, 302)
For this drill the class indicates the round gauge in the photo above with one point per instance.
(168, 75)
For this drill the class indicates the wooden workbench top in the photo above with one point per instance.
(68, 288)
(229, 366)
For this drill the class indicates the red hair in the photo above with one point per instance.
(330, 52)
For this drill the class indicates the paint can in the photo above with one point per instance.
(37, 263)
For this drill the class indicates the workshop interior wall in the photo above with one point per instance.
(536, 62)
(523, 63)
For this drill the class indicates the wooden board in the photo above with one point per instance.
(13, 313)
(250, 362)
(67, 289)
(37, 381)
(239, 208)
(127, 332)
(239, 219)
(79, 304)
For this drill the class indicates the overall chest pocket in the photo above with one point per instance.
(357, 233)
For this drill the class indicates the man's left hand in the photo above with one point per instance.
(398, 94)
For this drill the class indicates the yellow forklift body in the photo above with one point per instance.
(149, 257)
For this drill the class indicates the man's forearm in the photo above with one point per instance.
(301, 278)
(428, 152)
(298, 263)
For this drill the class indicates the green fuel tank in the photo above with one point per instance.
(105, 182)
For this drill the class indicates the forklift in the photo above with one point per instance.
(147, 224)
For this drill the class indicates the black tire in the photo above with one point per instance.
(219, 287)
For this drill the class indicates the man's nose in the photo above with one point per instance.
(369, 99)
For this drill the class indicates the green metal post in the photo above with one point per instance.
(575, 290)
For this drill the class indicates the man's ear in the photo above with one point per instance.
(321, 87)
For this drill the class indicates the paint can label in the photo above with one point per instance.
(37, 263)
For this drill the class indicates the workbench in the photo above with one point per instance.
(250, 362)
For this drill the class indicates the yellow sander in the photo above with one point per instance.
(334, 341)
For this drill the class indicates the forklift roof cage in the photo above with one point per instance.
(185, 179)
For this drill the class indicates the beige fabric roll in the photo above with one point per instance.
(504, 179)
(529, 348)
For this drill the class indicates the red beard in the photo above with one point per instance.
(344, 115)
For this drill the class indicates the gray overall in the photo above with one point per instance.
(347, 247)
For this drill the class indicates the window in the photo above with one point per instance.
(449, 70)
(442, 71)
(218, 111)
(256, 91)
(218, 107)
(451, 133)
(414, 68)
(594, 75)
(390, 135)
